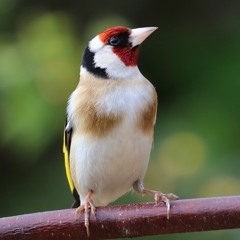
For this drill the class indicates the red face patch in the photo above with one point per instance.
(128, 55)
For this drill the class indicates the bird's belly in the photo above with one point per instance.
(109, 165)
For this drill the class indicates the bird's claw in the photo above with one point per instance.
(166, 198)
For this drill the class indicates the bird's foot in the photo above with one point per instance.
(166, 198)
(158, 196)
(87, 206)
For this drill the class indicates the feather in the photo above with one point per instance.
(67, 137)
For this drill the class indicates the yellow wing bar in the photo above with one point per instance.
(67, 163)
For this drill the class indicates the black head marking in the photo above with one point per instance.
(89, 64)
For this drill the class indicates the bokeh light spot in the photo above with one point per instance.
(220, 186)
(182, 154)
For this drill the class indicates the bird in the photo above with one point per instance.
(110, 121)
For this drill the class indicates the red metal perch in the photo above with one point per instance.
(133, 220)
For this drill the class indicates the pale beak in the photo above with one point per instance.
(138, 35)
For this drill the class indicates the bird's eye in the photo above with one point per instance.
(114, 41)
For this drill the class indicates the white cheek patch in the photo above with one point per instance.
(113, 65)
(105, 57)
(95, 44)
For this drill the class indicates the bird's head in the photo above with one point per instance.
(113, 54)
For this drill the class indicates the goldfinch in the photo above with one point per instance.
(109, 125)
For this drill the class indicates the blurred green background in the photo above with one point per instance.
(193, 60)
